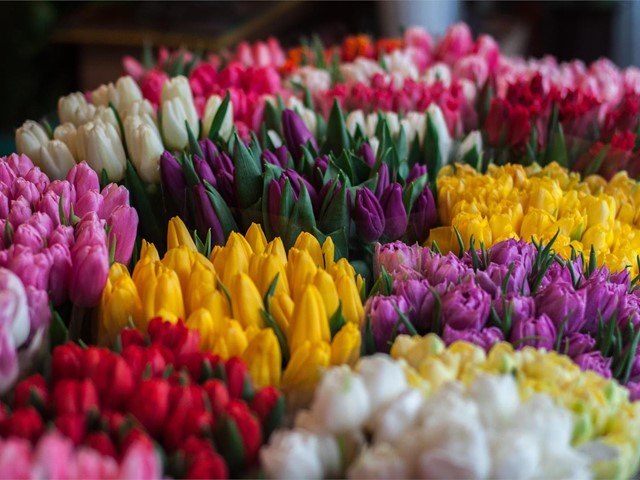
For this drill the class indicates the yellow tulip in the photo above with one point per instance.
(264, 268)
(233, 259)
(178, 235)
(207, 325)
(300, 271)
(119, 306)
(202, 283)
(276, 247)
(159, 289)
(282, 310)
(599, 236)
(263, 359)
(328, 252)
(304, 367)
(256, 239)
(232, 341)
(310, 244)
(470, 224)
(442, 238)
(544, 194)
(345, 347)
(600, 210)
(180, 260)
(246, 302)
(310, 321)
(534, 223)
(149, 251)
(349, 295)
(327, 288)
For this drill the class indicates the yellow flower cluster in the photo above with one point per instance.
(243, 298)
(601, 408)
(528, 202)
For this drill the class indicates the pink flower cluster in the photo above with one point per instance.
(55, 456)
(57, 236)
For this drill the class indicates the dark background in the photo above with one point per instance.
(49, 49)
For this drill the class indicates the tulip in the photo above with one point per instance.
(180, 260)
(160, 292)
(121, 95)
(422, 216)
(466, 307)
(310, 320)
(208, 325)
(100, 145)
(594, 361)
(30, 138)
(472, 141)
(24, 188)
(538, 332)
(210, 111)
(296, 133)
(563, 304)
(345, 347)
(178, 235)
(282, 310)
(206, 216)
(178, 107)
(56, 159)
(68, 134)
(13, 309)
(263, 269)
(91, 201)
(39, 312)
(368, 215)
(89, 273)
(395, 215)
(301, 269)
(246, 302)
(434, 113)
(385, 319)
(486, 338)
(394, 256)
(29, 237)
(19, 212)
(74, 109)
(120, 303)
(83, 178)
(32, 269)
(145, 148)
(304, 367)
(256, 239)
(60, 273)
(124, 226)
(263, 359)
(603, 301)
(508, 251)
(25, 423)
(349, 295)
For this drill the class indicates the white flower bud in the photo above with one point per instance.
(178, 107)
(29, 138)
(210, 111)
(56, 160)
(68, 134)
(75, 109)
(145, 147)
(99, 144)
(444, 139)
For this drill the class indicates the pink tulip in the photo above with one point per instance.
(42, 223)
(114, 196)
(15, 458)
(63, 189)
(83, 179)
(89, 272)
(38, 178)
(38, 305)
(33, 269)
(49, 204)
(29, 237)
(60, 272)
(20, 164)
(26, 189)
(14, 313)
(90, 231)
(20, 212)
(90, 201)
(7, 175)
(124, 223)
(63, 235)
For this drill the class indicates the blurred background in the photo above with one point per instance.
(50, 49)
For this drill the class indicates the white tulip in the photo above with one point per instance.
(178, 107)
(56, 160)
(210, 111)
(444, 139)
(99, 144)
(393, 123)
(107, 115)
(292, 455)
(75, 109)
(380, 461)
(275, 138)
(383, 378)
(471, 141)
(14, 309)
(340, 403)
(391, 421)
(121, 95)
(100, 96)
(29, 138)
(145, 147)
(68, 134)
(374, 143)
(438, 72)
(354, 120)
(140, 107)
(371, 124)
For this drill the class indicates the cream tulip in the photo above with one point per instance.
(145, 147)
(100, 145)
(30, 137)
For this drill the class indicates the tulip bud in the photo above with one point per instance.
(14, 313)
(30, 137)
(68, 134)
(145, 147)
(304, 369)
(263, 359)
(74, 109)
(124, 223)
(99, 144)
(206, 216)
(107, 116)
(56, 159)
(141, 108)
(83, 178)
(173, 179)
(151, 392)
(310, 321)
(121, 95)
(434, 113)
(536, 332)
(354, 120)
(345, 347)
(395, 215)
(29, 237)
(89, 272)
(246, 302)
(24, 423)
(178, 107)
(114, 196)
(178, 235)
(422, 216)
(210, 111)
(368, 215)
(296, 133)
(91, 201)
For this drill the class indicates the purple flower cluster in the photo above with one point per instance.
(517, 292)
(58, 236)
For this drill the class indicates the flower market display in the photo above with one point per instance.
(392, 258)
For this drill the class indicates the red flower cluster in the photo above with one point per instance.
(202, 411)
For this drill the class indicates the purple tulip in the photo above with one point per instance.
(394, 255)
(124, 223)
(629, 311)
(511, 250)
(368, 216)
(603, 299)
(562, 272)
(402, 274)
(466, 306)
(383, 180)
(269, 157)
(395, 215)
(91, 201)
(422, 217)
(416, 171)
(576, 344)
(173, 179)
(114, 197)
(563, 304)
(635, 368)
(383, 316)
(206, 216)
(89, 272)
(521, 307)
(276, 190)
(367, 154)
(537, 332)
(634, 390)
(60, 272)
(83, 178)
(444, 268)
(296, 133)
(485, 338)
(421, 301)
(295, 179)
(204, 171)
(39, 312)
(596, 362)
(29, 237)
(622, 277)
(492, 279)
(209, 150)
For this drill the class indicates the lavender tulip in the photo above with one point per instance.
(422, 217)
(563, 304)
(594, 361)
(576, 344)
(520, 307)
(384, 318)
(629, 311)
(206, 216)
(394, 255)
(537, 332)
(368, 215)
(296, 133)
(485, 338)
(421, 301)
(173, 179)
(443, 269)
(395, 215)
(602, 302)
(493, 278)
(383, 180)
(511, 250)
(466, 306)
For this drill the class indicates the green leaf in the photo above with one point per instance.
(595, 164)
(336, 214)
(337, 134)
(58, 333)
(223, 212)
(557, 149)
(282, 339)
(194, 146)
(319, 52)
(247, 174)
(413, 191)
(272, 117)
(432, 154)
(144, 204)
(218, 119)
(337, 321)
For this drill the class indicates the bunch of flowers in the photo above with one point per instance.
(515, 291)
(55, 456)
(532, 203)
(206, 415)
(383, 421)
(286, 314)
